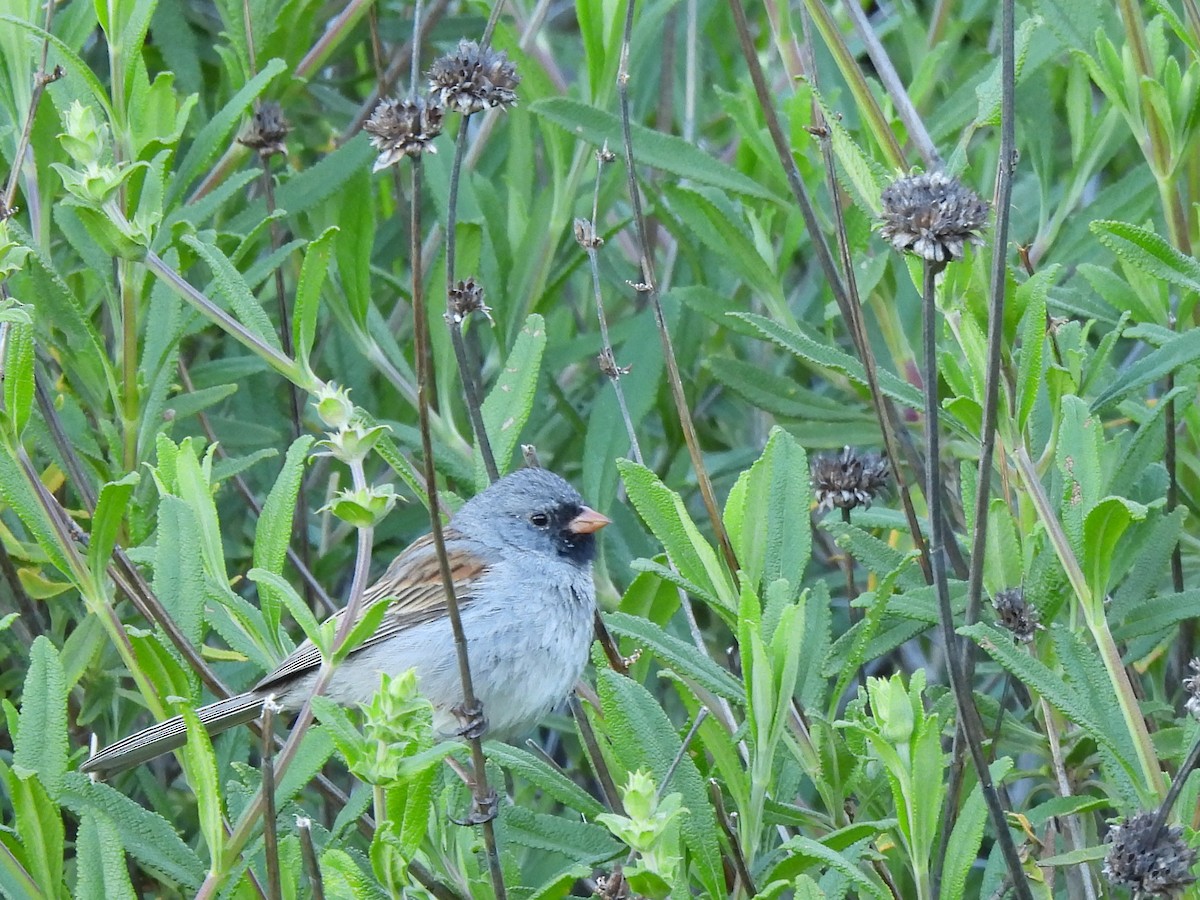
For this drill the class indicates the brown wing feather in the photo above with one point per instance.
(412, 588)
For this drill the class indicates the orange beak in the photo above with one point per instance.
(588, 522)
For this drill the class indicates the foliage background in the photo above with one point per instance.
(119, 383)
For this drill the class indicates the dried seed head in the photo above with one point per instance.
(1161, 869)
(470, 79)
(267, 130)
(466, 297)
(585, 235)
(1016, 614)
(604, 155)
(1191, 684)
(609, 367)
(400, 128)
(932, 216)
(848, 480)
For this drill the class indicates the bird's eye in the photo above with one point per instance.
(541, 520)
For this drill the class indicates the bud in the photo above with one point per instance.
(364, 507)
(84, 139)
(333, 405)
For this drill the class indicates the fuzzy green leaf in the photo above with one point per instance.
(680, 655)
(507, 406)
(233, 286)
(308, 293)
(273, 533)
(41, 742)
(769, 539)
(537, 772)
(100, 861)
(652, 148)
(663, 511)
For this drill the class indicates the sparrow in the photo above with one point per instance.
(520, 553)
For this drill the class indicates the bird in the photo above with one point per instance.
(520, 554)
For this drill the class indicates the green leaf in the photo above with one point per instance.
(18, 375)
(1103, 528)
(821, 354)
(100, 861)
(663, 511)
(1063, 695)
(963, 847)
(40, 827)
(1033, 339)
(308, 293)
(507, 406)
(540, 774)
(178, 567)
(769, 539)
(1157, 614)
(1175, 353)
(354, 243)
(146, 836)
(1002, 567)
(200, 765)
(679, 655)
(41, 744)
(1148, 253)
(273, 533)
(106, 524)
(233, 287)
(651, 148)
(580, 841)
(800, 846)
(293, 601)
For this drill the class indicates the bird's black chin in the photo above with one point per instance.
(578, 548)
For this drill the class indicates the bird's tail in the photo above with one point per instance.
(171, 734)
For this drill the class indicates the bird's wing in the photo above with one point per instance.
(412, 588)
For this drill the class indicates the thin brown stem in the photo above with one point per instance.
(270, 835)
(648, 284)
(312, 868)
(484, 798)
(41, 78)
(968, 715)
(456, 318)
(845, 296)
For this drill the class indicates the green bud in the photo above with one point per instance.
(365, 507)
(12, 254)
(399, 725)
(334, 406)
(893, 710)
(84, 139)
(353, 442)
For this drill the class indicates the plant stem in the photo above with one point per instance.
(484, 798)
(649, 285)
(968, 715)
(847, 299)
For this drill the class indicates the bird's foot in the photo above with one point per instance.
(472, 721)
(483, 809)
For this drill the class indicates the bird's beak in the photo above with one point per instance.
(588, 522)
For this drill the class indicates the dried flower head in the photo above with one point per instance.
(466, 297)
(400, 128)
(1017, 614)
(472, 79)
(932, 216)
(1161, 869)
(1191, 684)
(267, 130)
(848, 480)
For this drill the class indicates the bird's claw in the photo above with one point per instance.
(472, 720)
(483, 809)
